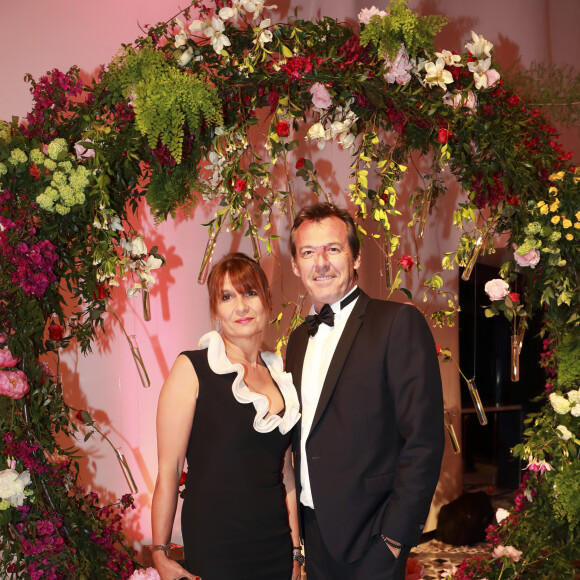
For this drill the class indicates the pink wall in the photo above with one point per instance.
(43, 36)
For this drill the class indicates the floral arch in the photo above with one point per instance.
(209, 106)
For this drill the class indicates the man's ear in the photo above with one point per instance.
(357, 261)
(295, 268)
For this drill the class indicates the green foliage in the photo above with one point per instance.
(402, 26)
(568, 355)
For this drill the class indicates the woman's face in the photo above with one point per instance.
(240, 315)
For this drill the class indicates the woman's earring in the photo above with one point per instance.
(218, 325)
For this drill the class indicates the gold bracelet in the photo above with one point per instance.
(161, 548)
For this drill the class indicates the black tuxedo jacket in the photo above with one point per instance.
(377, 438)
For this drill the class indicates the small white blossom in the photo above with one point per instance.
(565, 433)
(215, 33)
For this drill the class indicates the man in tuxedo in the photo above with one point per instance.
(369, 446)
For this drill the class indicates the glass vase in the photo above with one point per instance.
(146, 304)
(516, 346)
(451, 432)
(475, 251)
(139, 361)
(425, 208)
(126, 471)
(478, 406)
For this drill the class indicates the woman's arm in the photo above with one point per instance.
(291, 504)
(175, 412)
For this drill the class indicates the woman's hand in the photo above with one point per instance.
(169, 569)
(296, 571)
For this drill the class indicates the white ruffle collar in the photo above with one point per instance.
(263, 421)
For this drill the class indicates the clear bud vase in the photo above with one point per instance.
(139, 361)
(126, 471)
(477, 401)
(515, 358)
(451, 432)
(475, 251)
(425, 207)
(146, 304)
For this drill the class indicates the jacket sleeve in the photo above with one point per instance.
(414, 381)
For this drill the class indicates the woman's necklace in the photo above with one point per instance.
(254, 365)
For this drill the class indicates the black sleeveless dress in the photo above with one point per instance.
(234, 519)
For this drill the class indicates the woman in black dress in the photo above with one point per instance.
(229, 409)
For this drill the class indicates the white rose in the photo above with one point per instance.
(12, 486)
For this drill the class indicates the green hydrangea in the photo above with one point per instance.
(56, 147)
(65, 165)
(4, 505)
(50, 164)
(4, 130)
(529, 245)
(37, 156)
(533, 228)
(3, 169)
(61, 209)
(555, 236)
(45, 202)
(59, 178)
(17, 156)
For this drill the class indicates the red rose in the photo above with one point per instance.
(100, 292)
(514, 296)
(406, 262)
(183, 478)
(438, 349)
(443, 135)
(240, 185)
(55, 332)
(79, 416)
(300, 163)
(283, 128)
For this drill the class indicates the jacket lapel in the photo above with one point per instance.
(340, 355)
(298, 358)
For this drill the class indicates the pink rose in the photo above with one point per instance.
(3, 337)
(320, 96)
(530, 259)
(509, 551)
(7, 359)
(496, 289)
(365, 15)
(13, 384)
(492, 77)
(148, 574)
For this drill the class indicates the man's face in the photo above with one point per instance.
(324, 261)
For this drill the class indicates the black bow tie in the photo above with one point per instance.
(326, 314)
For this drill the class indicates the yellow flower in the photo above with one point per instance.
(569, 237)
(553, 190)
(555, 219)
(577, 215)
(555, 205)
(577, 225)
(566, 223)
(557, 176)
(544, 209)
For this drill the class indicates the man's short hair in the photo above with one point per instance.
(316, 212)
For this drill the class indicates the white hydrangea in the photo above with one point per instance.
(12, 486)
(560, 404)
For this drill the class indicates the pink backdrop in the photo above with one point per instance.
(39, 36)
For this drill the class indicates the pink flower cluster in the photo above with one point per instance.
(30, 261)
(52, 95)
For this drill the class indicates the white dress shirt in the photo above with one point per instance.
(319, 353)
